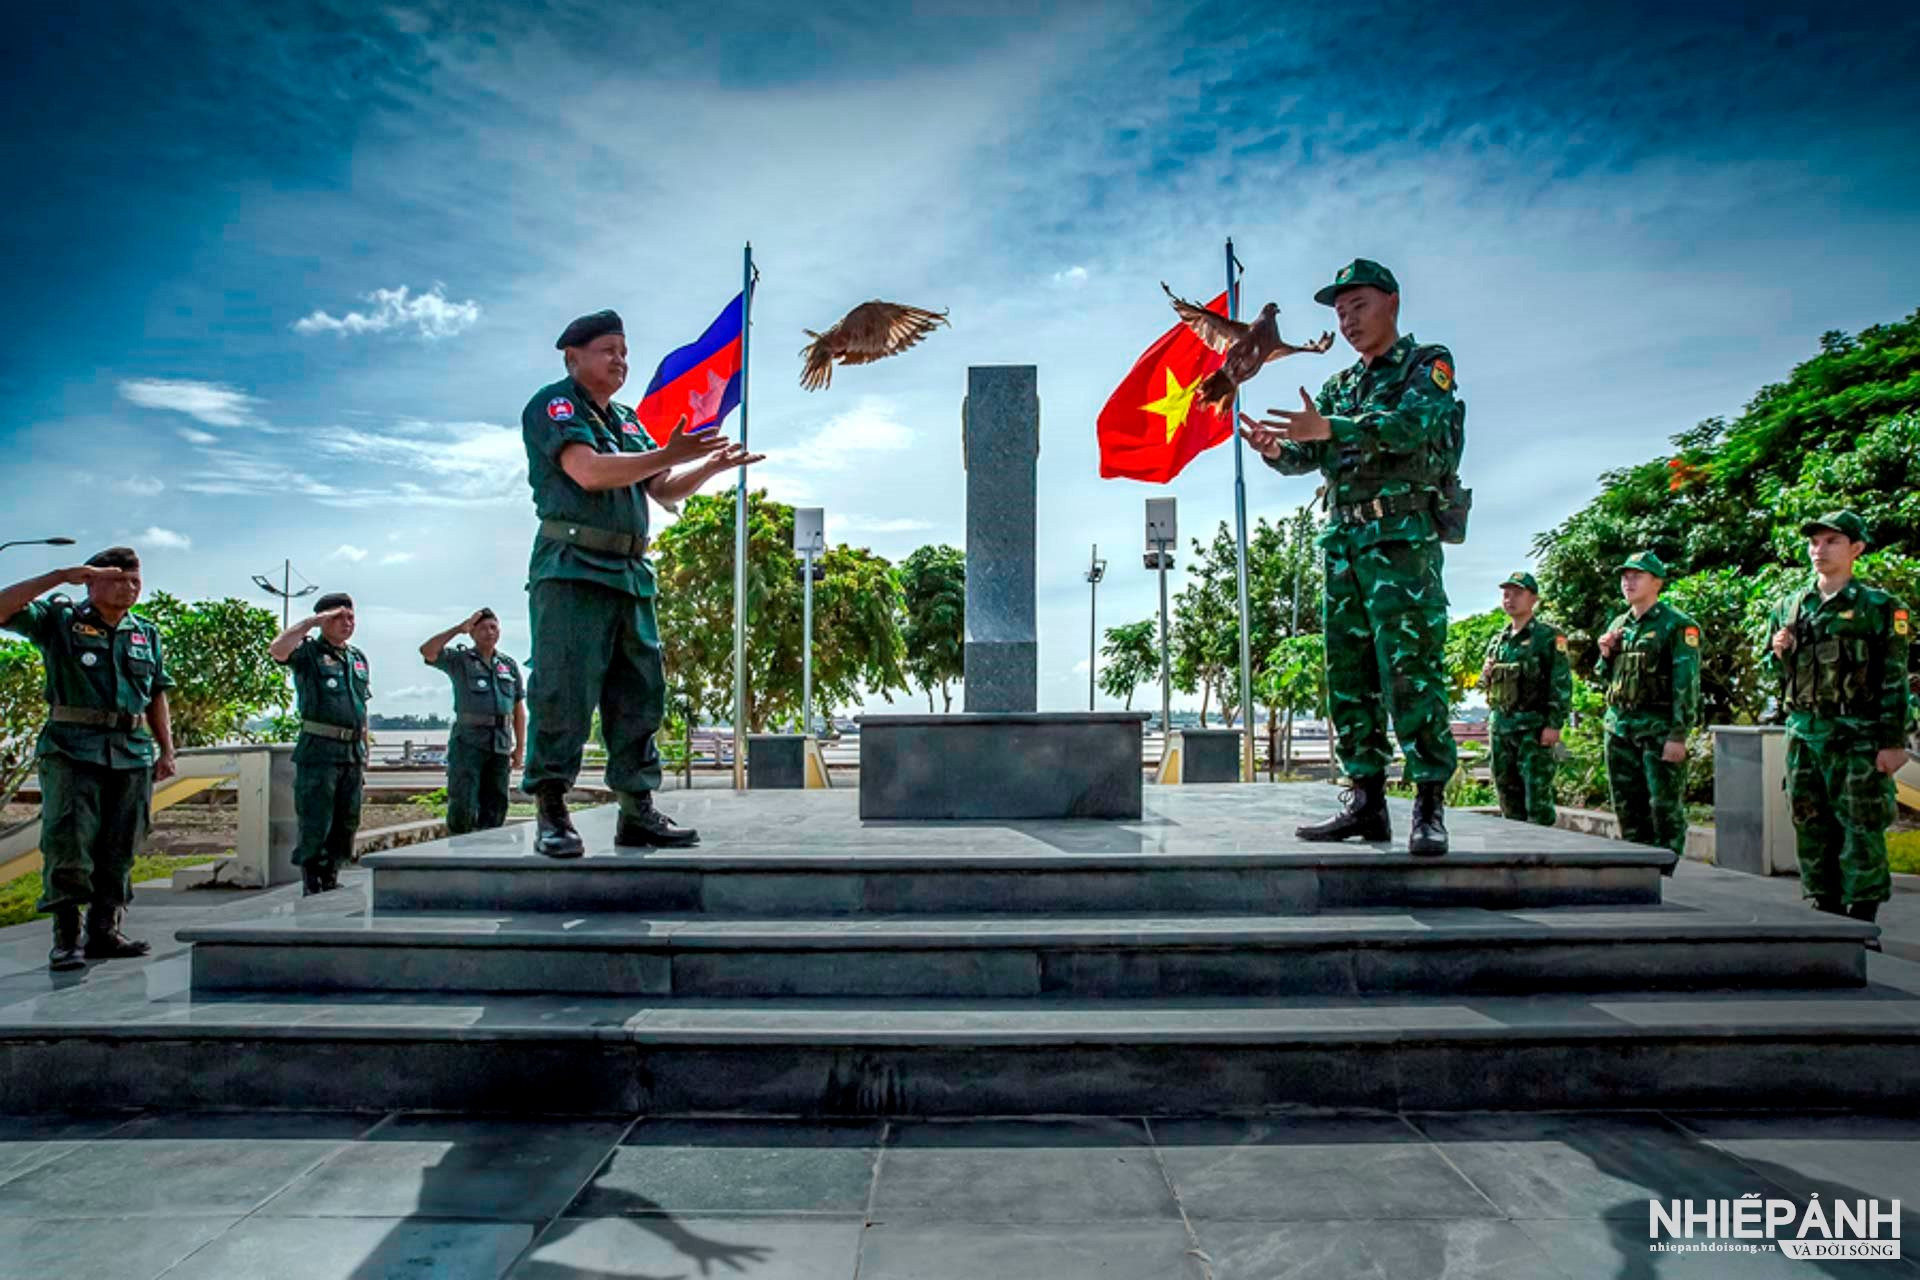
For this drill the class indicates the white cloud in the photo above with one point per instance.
(428, 314)
(401, 557)
(347, 551)
(214, 403)
(193, 435)
(876, 524)
(415, 693)
(155, 536)
(1073, 277)
(140, 486)
(847, 439)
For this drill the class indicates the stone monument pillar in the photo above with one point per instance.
(1000, 444)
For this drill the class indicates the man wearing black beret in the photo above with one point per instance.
(596, 643)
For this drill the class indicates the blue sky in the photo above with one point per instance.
(284, 277)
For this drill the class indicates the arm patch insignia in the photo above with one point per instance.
(1560, 643)
(1693, 636)
(1443, 375)
(1899, 622)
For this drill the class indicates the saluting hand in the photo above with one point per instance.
(473, 620)
(82, 574)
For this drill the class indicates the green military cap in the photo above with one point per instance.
(587, 328)
(1840, 522)
(1361, 271)
(1645, 562)
(1522, 579)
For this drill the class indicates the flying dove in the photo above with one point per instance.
(1248, 347)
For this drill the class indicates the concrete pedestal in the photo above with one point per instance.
(776, 762)
(1077, 764)
(1752, 820)
(1210, 755)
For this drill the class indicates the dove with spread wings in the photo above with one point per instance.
(871, 331)
(1248, 347)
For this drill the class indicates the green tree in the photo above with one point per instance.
(1205, 633)
(216, 652)
(23, 712)
(857, 642)
(1130, 658)
(1293, 682)
(933, 624)
(1467, 641)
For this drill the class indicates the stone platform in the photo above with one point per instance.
(803, 962)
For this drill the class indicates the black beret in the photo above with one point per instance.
(587, 328)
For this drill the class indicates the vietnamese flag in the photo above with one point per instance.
(701, 379)
(1153, 424)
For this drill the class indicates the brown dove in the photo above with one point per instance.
(871, 331)
(1248, 346)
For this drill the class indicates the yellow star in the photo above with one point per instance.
(1174, 405)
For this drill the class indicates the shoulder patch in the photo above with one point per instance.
(1899, 622)
(1693, 636)
(1443, 375)
(560, 409)
(1560, 643)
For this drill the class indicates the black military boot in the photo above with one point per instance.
(329, 876)
(1829, 905)
(1365, 814)
(104, 939)
(651, 828)
(65, 955)
(557, 838)
(1429, 836)
(1868, 912)
(312, 879)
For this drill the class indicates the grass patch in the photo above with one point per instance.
(1903, 851)
(18, 896)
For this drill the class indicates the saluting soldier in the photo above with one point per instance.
(1386, 434)
(1839, 648)
(331, 686)
(489, 722)
(107, 740)
(590, 587)
(1650, 666)
(1529, 685)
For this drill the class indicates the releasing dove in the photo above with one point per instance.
(871, 331)
(1248, 347)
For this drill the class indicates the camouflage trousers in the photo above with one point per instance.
(1385, 614)
(1523, 777)
(1649, 795)
(1842, 807)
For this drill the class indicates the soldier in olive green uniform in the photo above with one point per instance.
(590, 588)
(107, 693)
(1387, 435)
(1650, 666)
(489, 722)
(1530, 688)
(1839, 648)
(331, 688)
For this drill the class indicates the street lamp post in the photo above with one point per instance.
(809, 539)
(285, 591)
(1096, 570)
(1161, 535)
(38, 542)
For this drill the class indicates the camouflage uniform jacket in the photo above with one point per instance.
(1845, 679)
(1653, 678)
(1529, 684)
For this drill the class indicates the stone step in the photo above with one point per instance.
(1457, 950)
(785, 883)
(537, 1054)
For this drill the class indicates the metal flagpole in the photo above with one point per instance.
(806, 647)
(748, 275)
(1240, 545)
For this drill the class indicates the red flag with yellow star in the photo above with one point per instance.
(1153, 425)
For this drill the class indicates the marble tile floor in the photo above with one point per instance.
(343, 1196)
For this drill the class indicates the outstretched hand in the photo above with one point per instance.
(1301, 425)
(692, 446)
(1264, 439)
(734, 455)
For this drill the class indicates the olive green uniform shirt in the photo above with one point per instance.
(99, 668)
(330, 686)
(1845, 680)
(1653, 678)
(561, 414)
(482, 687)
(1391, 424)
(1531, 685)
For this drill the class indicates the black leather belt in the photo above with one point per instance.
(630, 545)
(93, 718)
(488, 722)
(338, 732)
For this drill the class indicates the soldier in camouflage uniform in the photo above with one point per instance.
(1839, 648)
(1650, 667)
(1386, 434)
(1530, 688)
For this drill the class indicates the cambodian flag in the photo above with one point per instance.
(701, 379)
